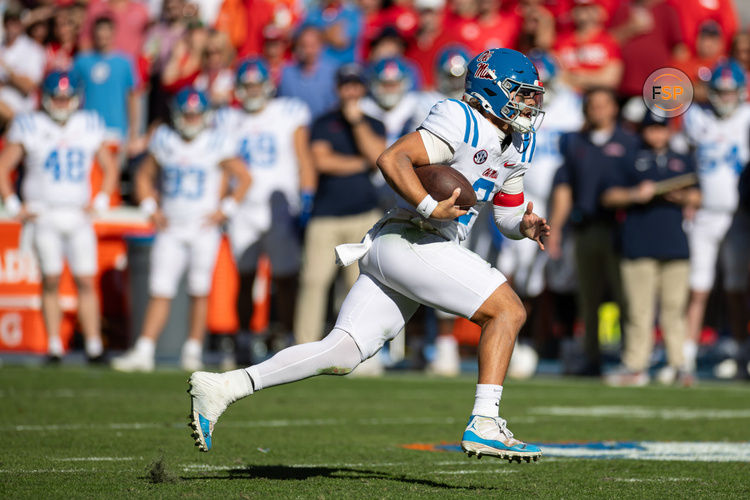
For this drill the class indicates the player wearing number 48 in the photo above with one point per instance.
(57, 146)
(193, 162)
(412, 255)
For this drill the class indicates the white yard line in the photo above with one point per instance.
(639, 412)
(95, 459)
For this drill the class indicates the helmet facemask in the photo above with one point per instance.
(254, 95)
(60, 107)
(726, 101)
(516, 112)
(190, 124)
(388, 93)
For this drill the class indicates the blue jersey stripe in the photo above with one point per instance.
(533, 146)
(475, 138)
(468, 120)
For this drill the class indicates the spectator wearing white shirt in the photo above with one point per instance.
(21, 68)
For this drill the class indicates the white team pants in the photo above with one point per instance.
(65, 233)
(406, 267)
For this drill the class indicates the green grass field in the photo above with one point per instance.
(91, 433)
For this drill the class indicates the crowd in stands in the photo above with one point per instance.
(133, 57)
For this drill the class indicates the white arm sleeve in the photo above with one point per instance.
(508, 218)
(438, 150)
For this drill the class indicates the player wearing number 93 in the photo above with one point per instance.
(58, 146)
(412, 256)
(195, 163)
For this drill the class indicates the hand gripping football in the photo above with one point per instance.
(440, 181)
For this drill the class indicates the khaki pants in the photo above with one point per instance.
(319, 268)
(645, 281)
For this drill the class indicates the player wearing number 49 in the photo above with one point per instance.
(412, 256)
(271, 136)
(195, 163)
(58, 146)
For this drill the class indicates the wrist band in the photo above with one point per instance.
(427, 206)
(12, 205)
(148, 206)
(229, 206)
(101, 202)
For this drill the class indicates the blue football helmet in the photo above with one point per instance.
(501, 80)
(189, 112)
(60, 95)
(253, 84)
(390, 79)
(451, 71)
(727, 88)
(545, 64)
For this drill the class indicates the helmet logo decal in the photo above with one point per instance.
(484, 56)
(483, 71)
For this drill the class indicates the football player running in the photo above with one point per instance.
(413, 255)
(271, 135)
(719, 132)
(193, 163)
(58, 146)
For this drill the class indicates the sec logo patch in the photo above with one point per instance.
(480, 157)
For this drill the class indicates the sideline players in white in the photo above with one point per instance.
(719, 133)
(562, 113)
(193, 163)
(413, 255)
(58, 146)
(272, 137)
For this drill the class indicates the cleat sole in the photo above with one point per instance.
(480, 450)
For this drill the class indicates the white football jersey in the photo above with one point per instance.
(58, 157)
(190, 172)
(397, 119)
(722, 151)
(478, 155)
(265, 142)
(563, 114)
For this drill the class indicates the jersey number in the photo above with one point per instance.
(259, 150)
(483, 188)
(65, 165)
(710, 157)
(183, 182)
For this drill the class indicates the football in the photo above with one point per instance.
(440, 181)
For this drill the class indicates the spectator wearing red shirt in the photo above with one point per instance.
(479, 25)
(650, 36)
(61, 50)
(537, 26)
(589, 56)
(693, 13)
(275, 51)
(131, 21)
(709, 48)
(422, 49)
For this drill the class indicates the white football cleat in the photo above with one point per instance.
(488, 436)
(210, 395)
(133, 361)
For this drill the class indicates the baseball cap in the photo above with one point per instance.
(654, 119)
(350, 73)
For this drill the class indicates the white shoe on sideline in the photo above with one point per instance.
(133, 361)
(447, 362)
(191, 361)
